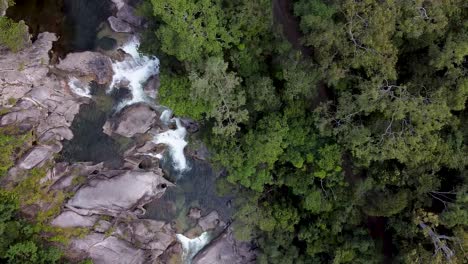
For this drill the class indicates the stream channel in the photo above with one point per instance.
(81, 26)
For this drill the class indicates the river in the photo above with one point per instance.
(81, 27)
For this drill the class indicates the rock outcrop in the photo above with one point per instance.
(118, 25)
(128, 14)
(20, 72)
(226, 250)
(36, 101)
(93, 66)
(117, 192)
(104, 249)
(132, 120)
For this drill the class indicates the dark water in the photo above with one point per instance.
(89, 142)
(195, 188)
(76, 22)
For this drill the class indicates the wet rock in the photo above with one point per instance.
(72, 219)
(132, 120)
(119, 3)
(105, 250)
(128, 14)
(88, 64)
(172, 255)
(200, 152)
(194, 213)
(152, 87)
(147, 234)
(107, 43)
(210, 221)
(226, 250)
(189, 124)
(118, 192)
(119, 25)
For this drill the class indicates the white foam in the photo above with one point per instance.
(136, 69)
(79, 88)
(166, 116)
(175, 140)
(192, 246)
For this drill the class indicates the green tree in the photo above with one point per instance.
(219, 90)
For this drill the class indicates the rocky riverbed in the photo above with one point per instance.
(111, 201)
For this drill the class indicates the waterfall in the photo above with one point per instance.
(192, 246)
(175, 140)
(79, 88)
(134, 69)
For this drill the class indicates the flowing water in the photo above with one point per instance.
(77, 23)
(135, 70)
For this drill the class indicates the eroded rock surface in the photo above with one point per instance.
(72, 219)
(117, 192)
(226, 250)
(148, 234)
(105, 250)
(19, 72)
(132, 120)
(92, 65)
(36, 100)
(128, 14)
(118, 25)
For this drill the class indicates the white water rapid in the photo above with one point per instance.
(192, 246)
(79, 88)
(175, 139)
(135, 69)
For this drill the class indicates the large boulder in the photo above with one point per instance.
(72, 219)
(37, 156)
(147, 234)
(118, 25)
(132, 120)
(128, 14)
(151, 87)
(118, 192)
(92, 65)
(210, 221)
(106, 250)
(226, 250)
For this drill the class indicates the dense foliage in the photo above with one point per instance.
(377, 170)
(20, 241)
(13, 35)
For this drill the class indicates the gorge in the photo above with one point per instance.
(112, 148)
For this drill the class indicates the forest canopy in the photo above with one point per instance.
(350, 148)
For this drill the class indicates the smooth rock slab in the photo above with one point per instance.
(72, 219)
(36, 156)
(118, 25)
(132, 120)
(148, 234)
(128, 14)
(110, 250)
(92, 64)
(225, 250)
(123, 192)
(210, 221)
